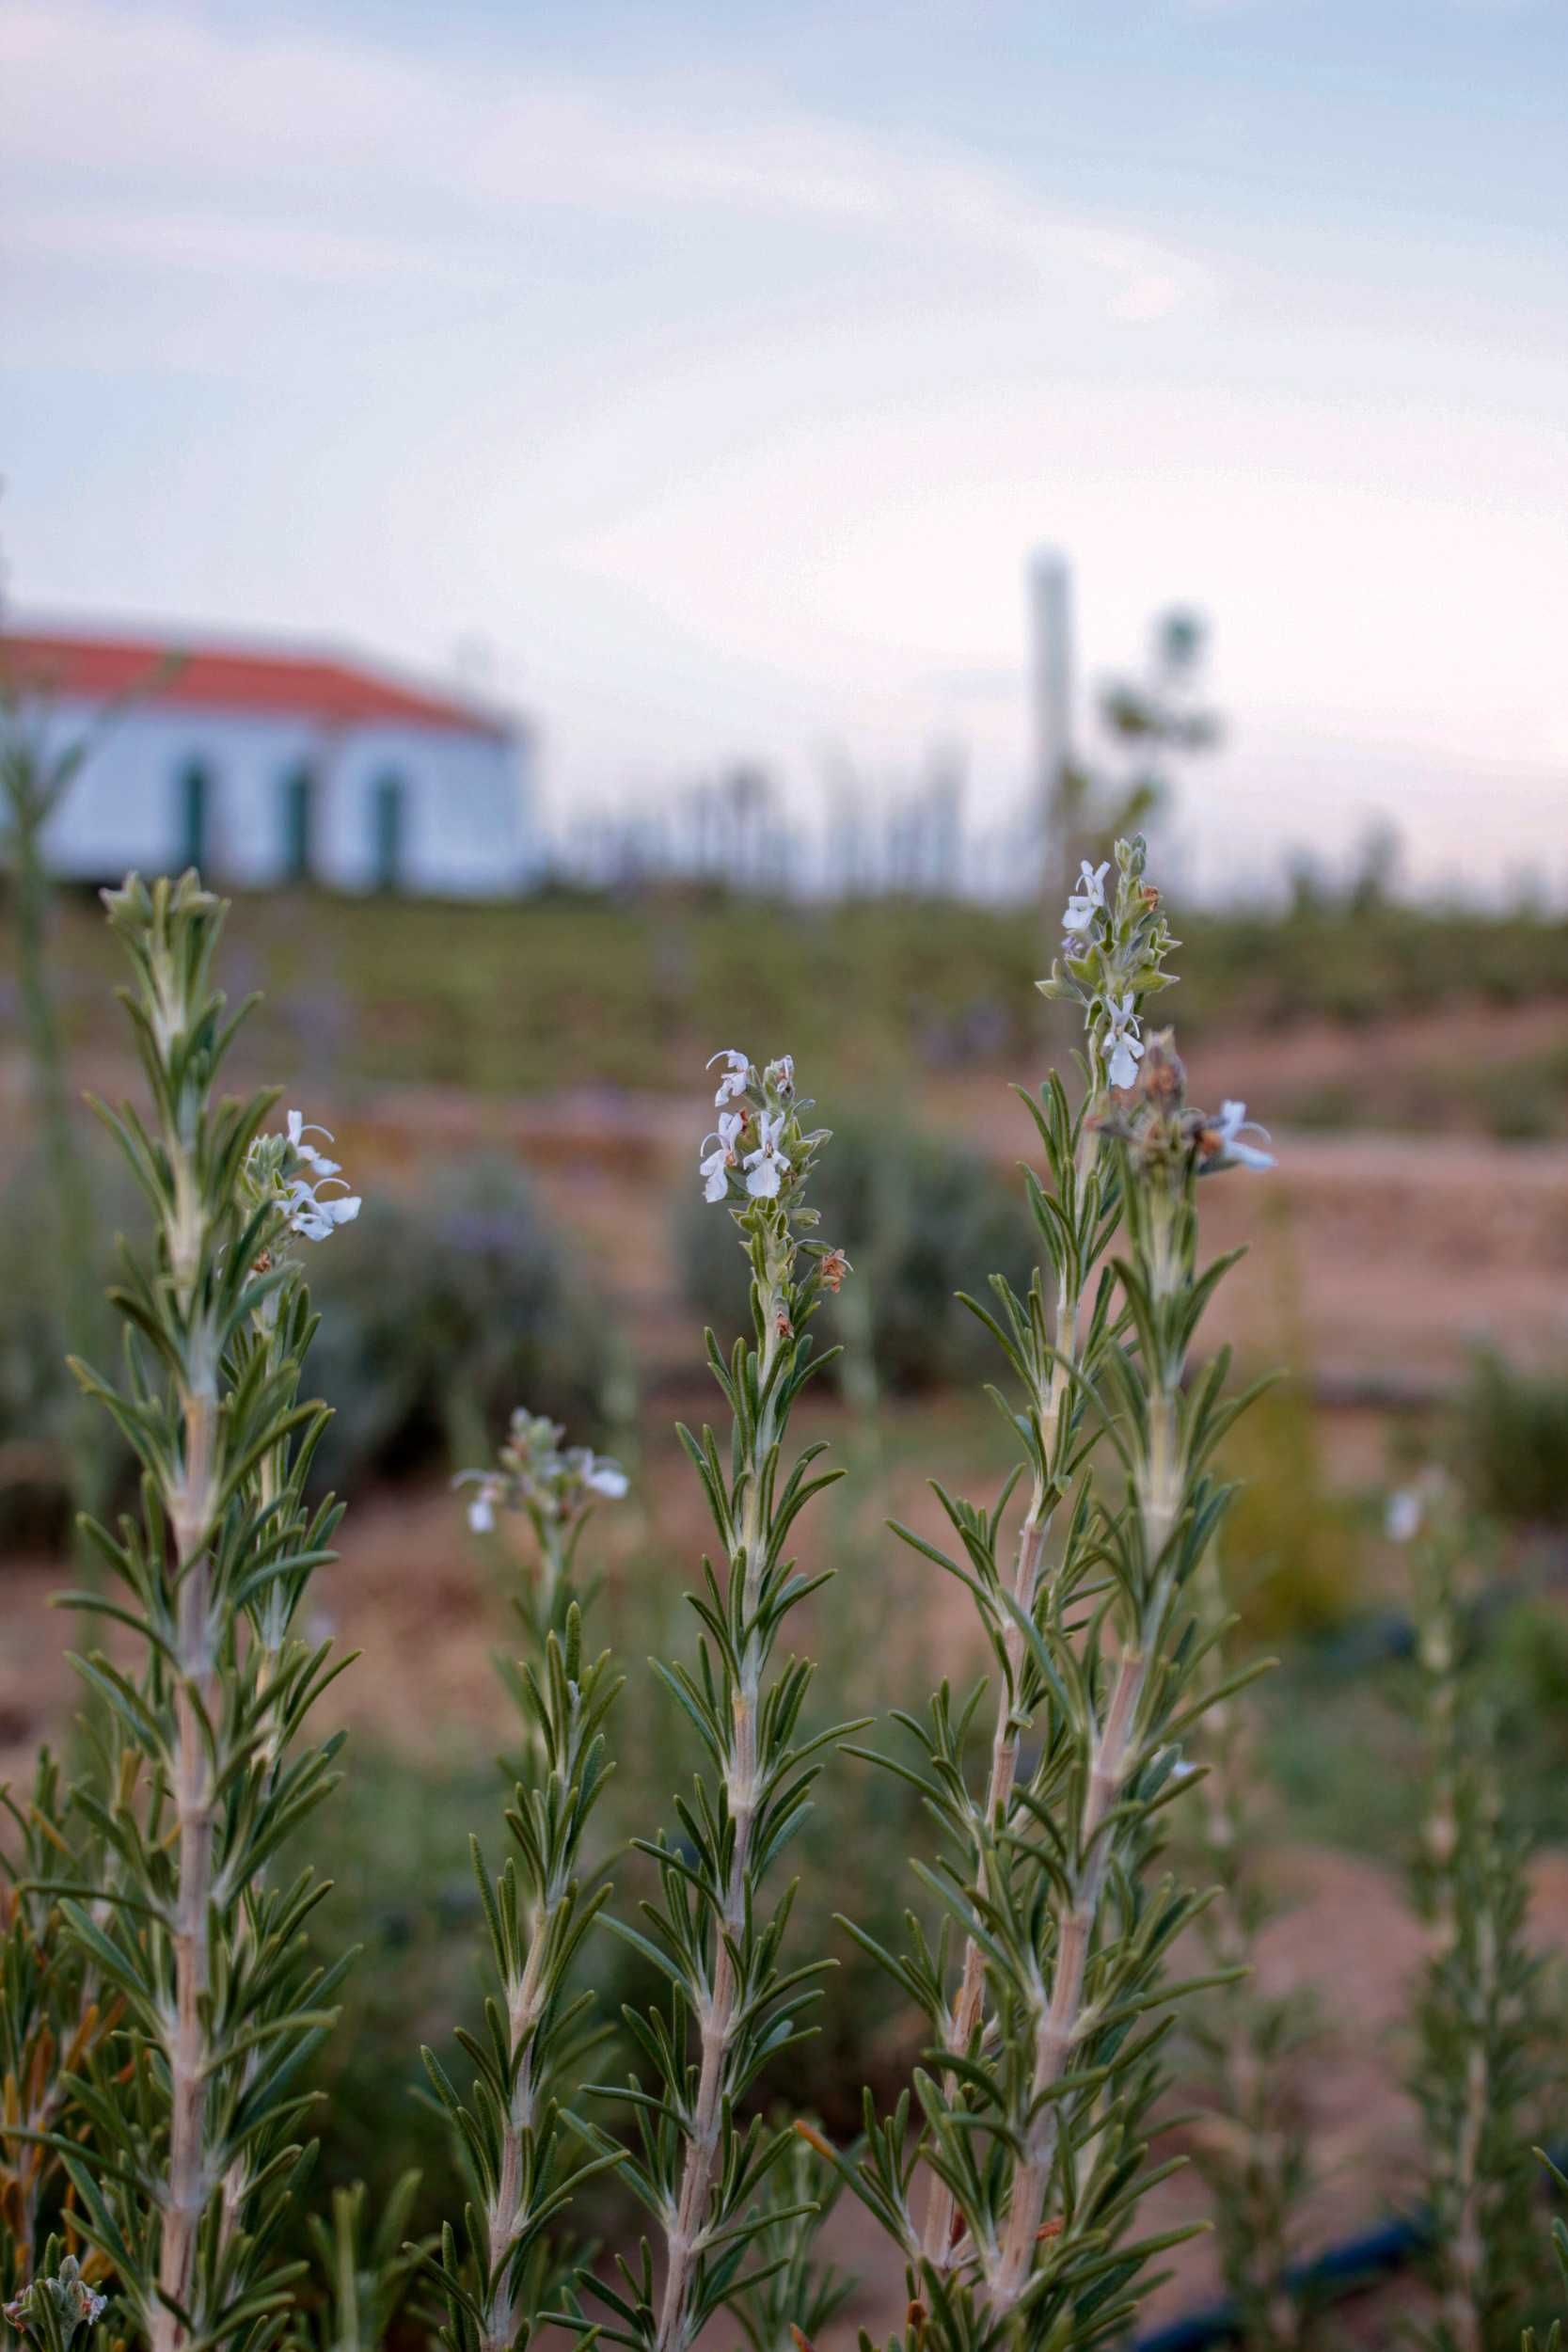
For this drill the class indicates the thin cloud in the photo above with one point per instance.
(255, 127)
(223, 244)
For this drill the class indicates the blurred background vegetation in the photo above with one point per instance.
(590, 990)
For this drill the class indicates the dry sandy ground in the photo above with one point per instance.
(1385, 1258)
(1382, 1259)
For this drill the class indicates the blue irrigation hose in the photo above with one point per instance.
(1357, 2262)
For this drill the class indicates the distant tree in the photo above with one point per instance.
(1154, 720)
(1375, 870)
(1159, 717)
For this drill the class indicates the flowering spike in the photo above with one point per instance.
(1033, 2133)
(286, 1172)
(58, 2307)
(509, 2139)
(197, 1764)
(700, 2171)
(1483, 2030)
(552, 1488)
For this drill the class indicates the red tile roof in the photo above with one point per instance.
(225, 677)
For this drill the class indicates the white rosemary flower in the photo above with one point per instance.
(718, 1163)
(1121, 1045)
(1402, 1521)
(779, 1077)
(291, 1174)
(1087, 900)
(1228, 1130)
(308, 1152)
(737, 1072)
(599, 1473)
(767, 1163)
(533, 1473)
(311, 1216)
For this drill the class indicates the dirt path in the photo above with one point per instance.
(1384, 1260)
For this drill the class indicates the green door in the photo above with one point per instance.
(388, 822)
(299, 825)
(193, 816)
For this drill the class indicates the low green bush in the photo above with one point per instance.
(463, 1297)
(920, 1219)
(458, 1301)
(1522, 1100)
(1298, 1536)
(41, 1426)
(1513, 1442)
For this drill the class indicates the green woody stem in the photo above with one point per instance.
(195, 1692)
(685, 2240)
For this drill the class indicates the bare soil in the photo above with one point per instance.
(1385, 1259)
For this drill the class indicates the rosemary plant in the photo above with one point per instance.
(699, 2166)
(796, 2293)
(194, 2101)
(1252, 2148)
(1479, 2028)
(1042, 1988)
(51, 2018)
(504, 2270)
(1553, 2341)
(365, 2271)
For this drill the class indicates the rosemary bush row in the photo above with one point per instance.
(162, 2001)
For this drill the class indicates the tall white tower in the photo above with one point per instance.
(1051, 631)
(1051, 663)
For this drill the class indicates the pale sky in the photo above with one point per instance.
(718, 366)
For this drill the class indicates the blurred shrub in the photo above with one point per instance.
(1524, 1672)
(1524, 1100)
(1512, 1444)
(1343, 1748)
(41, 1405)
(439, 1313)
(1332, 1105)
(1293, 1541)
(443, 1312)
(920, 1218)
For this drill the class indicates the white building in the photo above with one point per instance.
(263, 767)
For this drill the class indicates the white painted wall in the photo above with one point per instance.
(469, 823)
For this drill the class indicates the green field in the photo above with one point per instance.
(564, 990)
